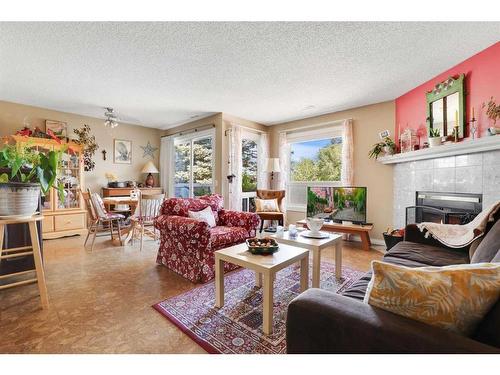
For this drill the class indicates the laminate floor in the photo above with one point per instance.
(100, 302)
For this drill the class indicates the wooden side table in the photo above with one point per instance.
(263, 265)
(34, 250)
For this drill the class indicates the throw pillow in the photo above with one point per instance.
(266, 205)
(489, 246)
(98, 204)
(455, 298)
(205, 215)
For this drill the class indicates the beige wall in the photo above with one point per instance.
(13, 117)
(368, 121)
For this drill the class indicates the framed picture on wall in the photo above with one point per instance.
(58, 128)
(122, 151)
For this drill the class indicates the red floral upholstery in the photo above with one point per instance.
(226, 236)
(187, 245)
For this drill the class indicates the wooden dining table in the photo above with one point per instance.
(110, 202)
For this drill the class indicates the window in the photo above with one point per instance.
(194, 165)
(250, 162)
(319, 160)
(315, 159)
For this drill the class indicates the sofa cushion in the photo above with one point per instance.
(181, 206)
(410, 254)
(489, 246)
(427, 254)
(455, 297)
(358, 289)
(223, 236)
(206, 215)
(215, 201)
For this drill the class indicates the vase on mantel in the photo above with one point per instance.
(388, 151)
(434, 141)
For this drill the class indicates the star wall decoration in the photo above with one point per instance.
(149, 150)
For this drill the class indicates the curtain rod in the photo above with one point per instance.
(246, 128)
(188, 131)
(312, 126)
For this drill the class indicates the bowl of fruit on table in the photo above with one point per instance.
(262, 245)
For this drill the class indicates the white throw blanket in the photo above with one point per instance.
(456, 236)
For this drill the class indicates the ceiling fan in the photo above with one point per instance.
(111, 120)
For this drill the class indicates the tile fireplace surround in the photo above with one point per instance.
(470, 173)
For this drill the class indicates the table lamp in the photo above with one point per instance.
(272, 165)
(149, 168)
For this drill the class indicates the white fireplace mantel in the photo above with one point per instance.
(488, 143)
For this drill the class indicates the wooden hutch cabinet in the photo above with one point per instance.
(68, 217)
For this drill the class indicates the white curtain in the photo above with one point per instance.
(263, 154)
(235, 168)
(284, 155)
(347, 172)
(167, 165)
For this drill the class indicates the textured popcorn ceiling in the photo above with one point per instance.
(162, 74)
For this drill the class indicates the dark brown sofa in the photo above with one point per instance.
(320, 321)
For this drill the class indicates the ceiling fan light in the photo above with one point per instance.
(111, 120)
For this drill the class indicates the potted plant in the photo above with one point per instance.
(24, 172)
(493, 113)
(386, 146)
(434, 137)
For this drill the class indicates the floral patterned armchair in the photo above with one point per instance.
(187, 245)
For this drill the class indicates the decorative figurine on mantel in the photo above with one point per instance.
(473, 125)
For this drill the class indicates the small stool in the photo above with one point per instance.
(34, 250)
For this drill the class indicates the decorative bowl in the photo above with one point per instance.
(262, 246)
(314, 224)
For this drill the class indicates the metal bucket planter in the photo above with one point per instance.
(19, 199)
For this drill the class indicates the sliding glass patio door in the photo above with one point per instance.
(193, 173)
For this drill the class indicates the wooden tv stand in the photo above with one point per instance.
(360, 230)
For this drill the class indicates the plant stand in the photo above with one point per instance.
(16, 252)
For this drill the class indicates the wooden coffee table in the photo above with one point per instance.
(316, 246)
(265, 267)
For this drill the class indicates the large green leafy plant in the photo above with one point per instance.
(387, 144)
(27, 165)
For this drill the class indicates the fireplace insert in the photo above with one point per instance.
(446, 208)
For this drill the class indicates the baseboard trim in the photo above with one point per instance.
(374, 241)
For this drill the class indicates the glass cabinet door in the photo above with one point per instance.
(69, 177)
(47, 198)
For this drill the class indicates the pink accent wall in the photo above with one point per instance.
(482, 80)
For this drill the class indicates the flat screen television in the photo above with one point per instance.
(337, 203)
(320, 202)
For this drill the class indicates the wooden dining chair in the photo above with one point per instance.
(147, 210)
(99, 220)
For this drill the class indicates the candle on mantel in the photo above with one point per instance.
(399, 135)
(473, 113)
(456, 119)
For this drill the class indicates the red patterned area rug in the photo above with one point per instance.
(236, 328)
